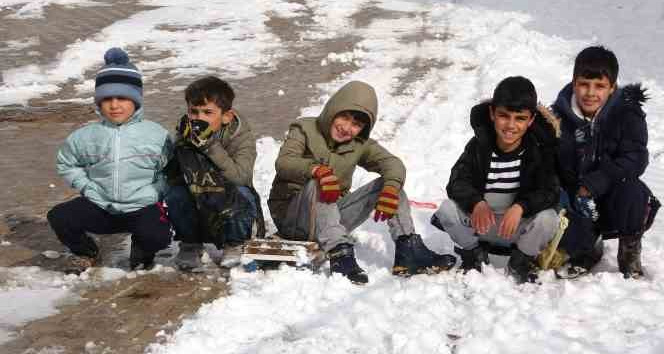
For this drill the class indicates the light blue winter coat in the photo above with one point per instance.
(117, 167)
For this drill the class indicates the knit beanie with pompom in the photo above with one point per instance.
(118, 78)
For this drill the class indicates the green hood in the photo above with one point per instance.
(354, 96)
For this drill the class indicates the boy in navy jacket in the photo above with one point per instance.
(602, 153)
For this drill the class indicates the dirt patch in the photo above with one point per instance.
(43, 113)
(29, 237)
(363, 18)
(120, 317)
(425, 35)
(417, 68)
(291, 86)
(4, 228)
(29, 184)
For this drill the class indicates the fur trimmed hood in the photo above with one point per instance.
(631, 97)
(635, 94)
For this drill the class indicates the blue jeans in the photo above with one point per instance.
(191, 225)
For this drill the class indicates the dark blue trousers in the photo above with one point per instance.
(72, 219)
(622, 214)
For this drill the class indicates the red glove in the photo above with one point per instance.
(388, 203)
(330, 191)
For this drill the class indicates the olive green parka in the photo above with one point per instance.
(309, 143)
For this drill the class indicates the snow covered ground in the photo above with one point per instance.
(429, 64)
(627, 26)
(28, 293)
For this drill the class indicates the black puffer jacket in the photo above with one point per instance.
(539, 186)
(619, 143)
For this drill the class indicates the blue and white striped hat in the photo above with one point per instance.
(118, 78)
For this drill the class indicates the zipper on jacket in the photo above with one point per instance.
(116, 168)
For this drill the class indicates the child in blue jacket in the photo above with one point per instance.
(116, 165)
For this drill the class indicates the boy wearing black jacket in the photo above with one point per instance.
(504, 186)
(603, 151)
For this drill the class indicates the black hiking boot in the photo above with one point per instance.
(342, 260)
(522, 267)
(412, 256)
(78, 264)
(138, 258)
(629, 257)
(472, 258)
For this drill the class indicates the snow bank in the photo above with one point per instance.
(624, 26)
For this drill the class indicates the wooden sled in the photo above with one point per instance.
(275, 250)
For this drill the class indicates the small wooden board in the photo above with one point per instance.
(276, 249)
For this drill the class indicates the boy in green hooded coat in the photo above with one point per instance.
(311, 199)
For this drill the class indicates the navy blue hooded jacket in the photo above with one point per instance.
(617, 148)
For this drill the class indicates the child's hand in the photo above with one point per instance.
(330, 191)
(510, 221)
(184, 127)
(586, 207)
(196, 131)
(583, 192)
(388, 203)
(482, 218)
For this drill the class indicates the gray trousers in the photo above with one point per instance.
(332, 223)
(531, 236)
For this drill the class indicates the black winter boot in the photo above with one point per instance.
(522, 267)
(342, 260)
(413, 257)
(629, 257)
(138, 257)
(472, 258)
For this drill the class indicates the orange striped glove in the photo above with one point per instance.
(330, 191)
(388, 203)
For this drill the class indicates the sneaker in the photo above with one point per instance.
(571, 271)
(79, 264)
(139, 259)
(342, 260)
(412, 257)
(189, 256)
(629, 257)
(472, 258)
(521, 267)
(582, 264)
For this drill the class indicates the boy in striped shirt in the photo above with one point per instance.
(503, 189)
